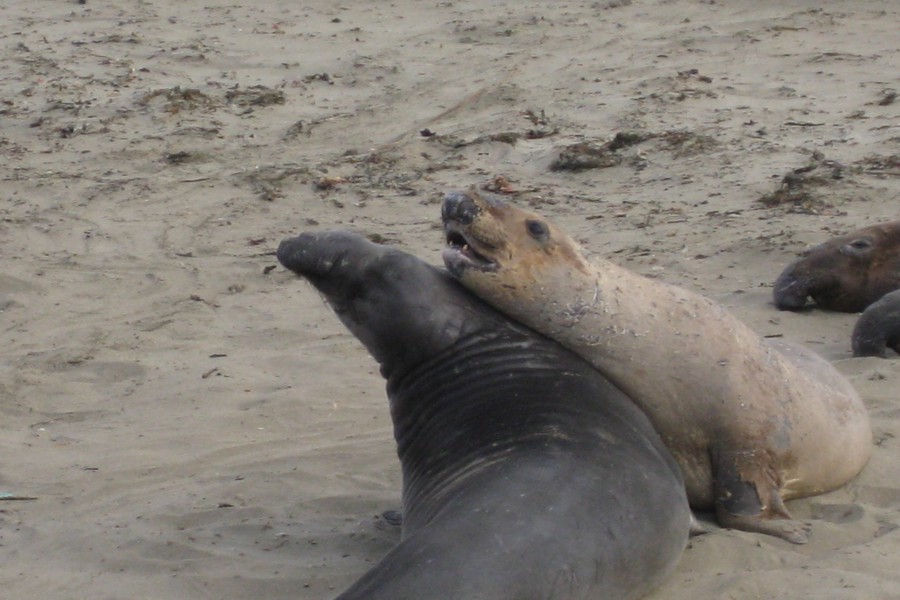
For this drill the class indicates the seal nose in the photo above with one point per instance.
(296, 253)
(459, 207)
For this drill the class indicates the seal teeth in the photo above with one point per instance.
(456, 240)
(459, 243)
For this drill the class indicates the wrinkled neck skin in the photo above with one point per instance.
(476, 403)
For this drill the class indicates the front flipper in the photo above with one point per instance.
(696, 527)
(392, 517)
(747, 496)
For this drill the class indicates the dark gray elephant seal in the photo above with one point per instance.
(526, 474)
(878, 328)
(846, 273)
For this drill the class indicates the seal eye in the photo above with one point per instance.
(858, 246)
(537, 229)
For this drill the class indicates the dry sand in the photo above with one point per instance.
(192, 422)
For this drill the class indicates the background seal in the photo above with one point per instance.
(846, 273)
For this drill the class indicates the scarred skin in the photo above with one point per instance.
(526, 474)
(846, 273)
(752, 422)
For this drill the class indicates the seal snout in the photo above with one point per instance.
(297, 253)
(790, 291)
(325, 253)
(459, 207)
(464, 249)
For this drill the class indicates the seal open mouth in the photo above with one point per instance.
(463, 252)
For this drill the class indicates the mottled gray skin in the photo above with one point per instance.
(526, 474)
(846, 273)
(878, 328)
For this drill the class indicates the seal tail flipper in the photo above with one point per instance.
(747, 497)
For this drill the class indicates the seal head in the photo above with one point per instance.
(496, 251)
(846, 273)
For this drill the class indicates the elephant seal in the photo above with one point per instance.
(846, 273)
(878, 328)
(526, 473)
(752, 422)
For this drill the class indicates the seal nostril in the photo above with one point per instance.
(458, 207)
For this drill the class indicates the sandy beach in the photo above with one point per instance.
(180, 417)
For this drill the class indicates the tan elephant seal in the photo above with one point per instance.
(751, 422)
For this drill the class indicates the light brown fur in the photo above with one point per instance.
(779, 417)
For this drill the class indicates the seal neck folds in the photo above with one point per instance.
(477, 402)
